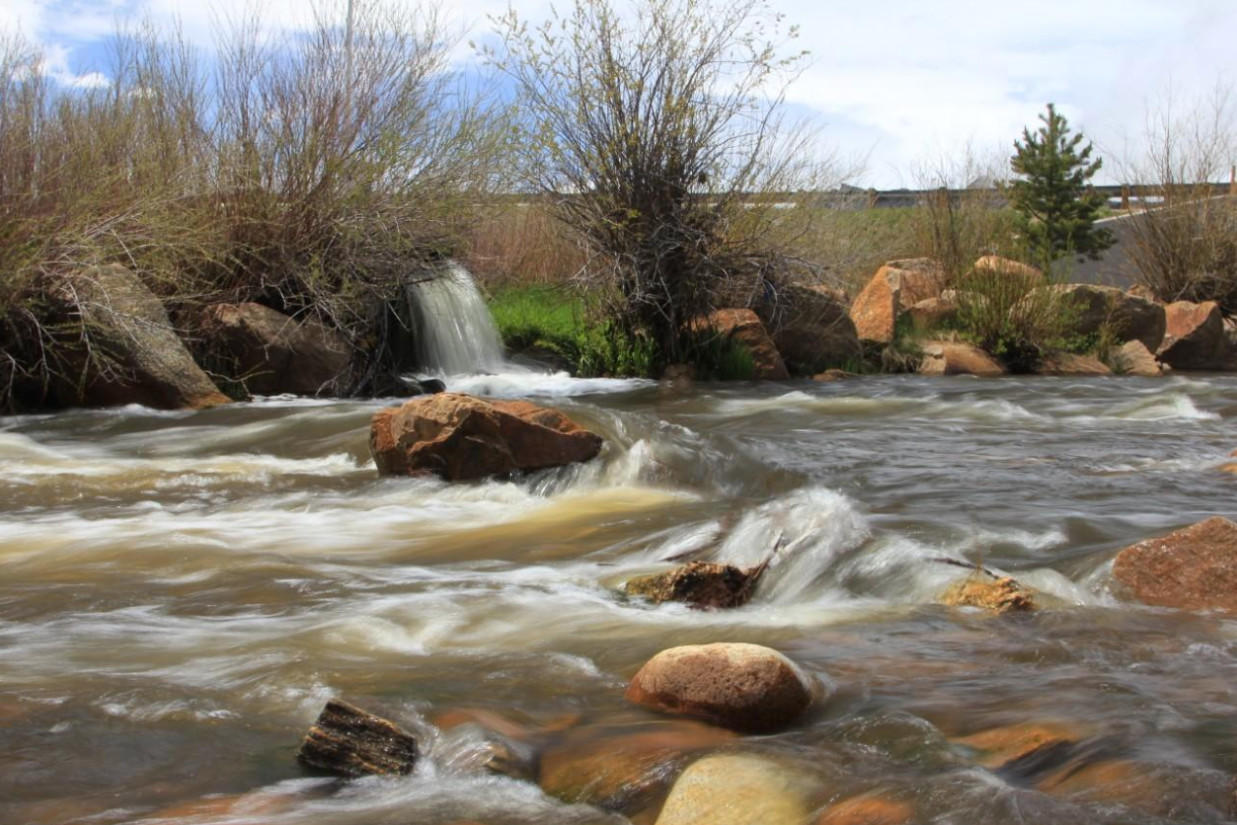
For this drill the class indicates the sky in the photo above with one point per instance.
(902, 90)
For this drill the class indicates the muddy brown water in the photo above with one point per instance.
(181, 592)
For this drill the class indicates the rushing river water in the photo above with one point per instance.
(181, 592)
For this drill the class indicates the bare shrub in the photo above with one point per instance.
(1184, 233)
(648, 136)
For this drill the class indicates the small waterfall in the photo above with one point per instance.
(456, 335)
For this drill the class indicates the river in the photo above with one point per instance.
(181, 592)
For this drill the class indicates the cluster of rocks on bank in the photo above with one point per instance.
(822, 328)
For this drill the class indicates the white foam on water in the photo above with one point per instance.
(1168, 407)
(512, 382)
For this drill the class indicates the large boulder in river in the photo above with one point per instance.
(1133, 358)
(896, 287)
(124, 349)
(1193, 569)
(460, 437)
(739, 789)
(1194, 337)
(743, 687)
(810, 328)
(270, 353)
(744, 326)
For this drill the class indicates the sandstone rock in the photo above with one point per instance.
(932, 313)
(459, 437)
(1193, 569)
(269, 353)
(744, 326)
(957, 358)
(867, 810)
(1091, 307)
(810, 328)
(1133, 358)
(896, 286)
(623, 770)
(703, 585)
(138, 357)
(833, 375)
(1194, 337)
(743, 687)
(1072, 363)
(1003, 595)
(737, 789)
(1031, 276)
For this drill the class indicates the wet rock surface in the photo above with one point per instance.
(703, 585)
(1193, 569)
(460, 437)
(744, 687)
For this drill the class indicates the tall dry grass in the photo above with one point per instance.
(301, 172)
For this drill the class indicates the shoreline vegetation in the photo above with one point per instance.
(207, 223)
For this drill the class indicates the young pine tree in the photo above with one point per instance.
(1055, 204)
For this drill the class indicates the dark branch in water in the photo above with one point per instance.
(978, 568)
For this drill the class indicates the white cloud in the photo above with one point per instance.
(900, 80)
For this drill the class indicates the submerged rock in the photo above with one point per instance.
(623, 770)
(459, 437)
(868, 809)
(1011, 749)
(743, 687)
(348, 741)
(1193, 569)
(738, 789)
(702, 585)
(1000, 595)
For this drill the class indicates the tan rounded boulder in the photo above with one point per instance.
(744, 687)
(895, 288)
(1193, 569)
(738, 789)
(459, 437)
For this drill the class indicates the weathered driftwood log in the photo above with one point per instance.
(351, 742)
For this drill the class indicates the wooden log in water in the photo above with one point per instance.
(348, 741)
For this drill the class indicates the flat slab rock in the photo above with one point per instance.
(1193, 569)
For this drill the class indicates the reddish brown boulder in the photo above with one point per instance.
(1001, 748)
(895, 288)
(1193, 569)
(739, 686)
(957, 358)
(1194, 337)
(744, 326)
(269, 353)
(459, 437)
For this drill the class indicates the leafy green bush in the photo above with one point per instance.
(1013, 317)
